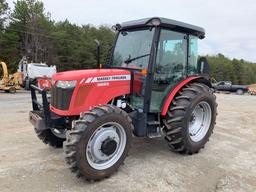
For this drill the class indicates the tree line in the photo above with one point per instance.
(29, 30)
(226, 69)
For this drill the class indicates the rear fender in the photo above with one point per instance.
(178, 87)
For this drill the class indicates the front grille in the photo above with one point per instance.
(60, 98)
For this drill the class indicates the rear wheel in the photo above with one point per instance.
(99, 142)
(239, 92)
(190, 119)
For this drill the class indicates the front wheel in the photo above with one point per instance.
(99, 142)
(190, 119)
(12, 90)
(53, 137)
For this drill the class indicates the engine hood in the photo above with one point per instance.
(80, 75)
(93, 87)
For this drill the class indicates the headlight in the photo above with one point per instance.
(66, 84)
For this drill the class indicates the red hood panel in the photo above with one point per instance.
(80, 74)
(94, 87)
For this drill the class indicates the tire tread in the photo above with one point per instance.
(173, 122)
(74, 135)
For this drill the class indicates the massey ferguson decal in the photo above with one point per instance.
(106, 79)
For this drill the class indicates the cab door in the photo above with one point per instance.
(170, 67)
(135, 45)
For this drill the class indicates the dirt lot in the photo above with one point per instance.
(228, 163)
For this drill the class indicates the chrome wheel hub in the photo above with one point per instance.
(106, 146)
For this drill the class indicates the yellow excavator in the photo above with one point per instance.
(10, 85)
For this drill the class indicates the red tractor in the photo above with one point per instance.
(154, 85)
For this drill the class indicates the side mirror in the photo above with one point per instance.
(203, 66)
(97, 52)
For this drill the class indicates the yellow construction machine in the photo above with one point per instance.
(10, 84)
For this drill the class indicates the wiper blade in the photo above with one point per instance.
(129, 60)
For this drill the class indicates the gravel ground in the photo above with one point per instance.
(227, 163)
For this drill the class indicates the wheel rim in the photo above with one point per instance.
(200, 121)
(60, 133)
(239, 91)
(12, 90)
(106, 145)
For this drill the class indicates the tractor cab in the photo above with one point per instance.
(160, 53)
(155, 85)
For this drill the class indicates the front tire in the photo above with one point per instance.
(50, 137)
(190, 119)
(99, 142)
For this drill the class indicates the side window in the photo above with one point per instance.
(193, 55)
(170, 66)
(171, 56)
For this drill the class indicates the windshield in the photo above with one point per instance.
(132, 49)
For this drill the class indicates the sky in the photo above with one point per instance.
(230, 24)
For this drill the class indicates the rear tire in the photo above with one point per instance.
(190, 119)
(99, 142)
(239, 92)
(12, 90)
(48, 137)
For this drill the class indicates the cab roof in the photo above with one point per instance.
(163, 22)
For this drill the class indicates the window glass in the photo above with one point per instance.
(193, 55)
(170, 66)
(171, 56)
(133, 44)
